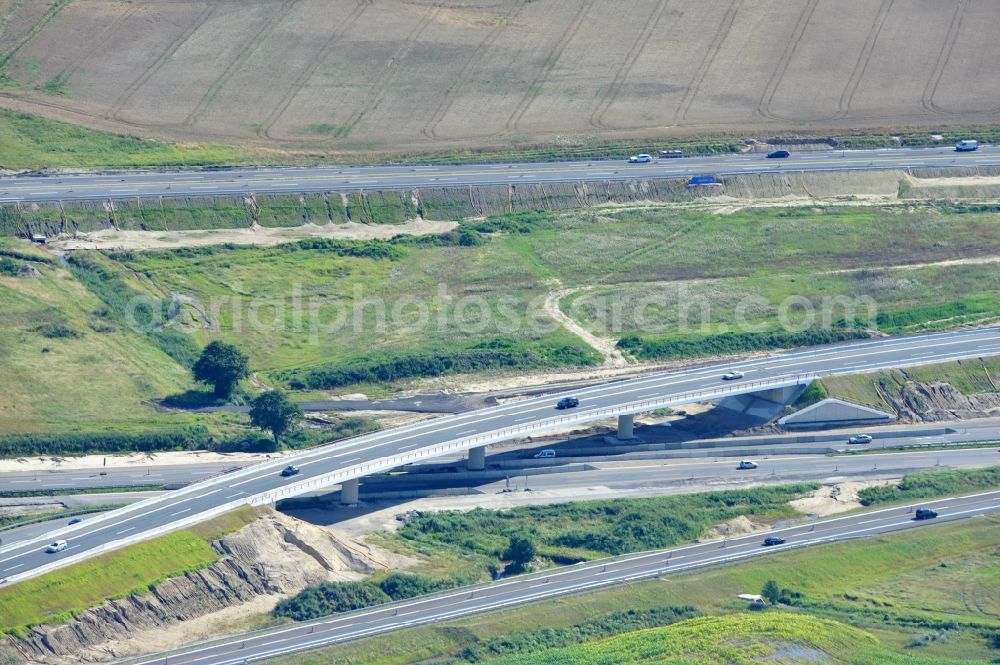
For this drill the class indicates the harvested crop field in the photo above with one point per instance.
(385, 75)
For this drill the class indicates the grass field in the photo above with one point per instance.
(337, 306)
(56, 596)
(937, 583)
(513, 73)
(682, 262)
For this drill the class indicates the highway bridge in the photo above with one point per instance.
(345, 462)
(212, 182)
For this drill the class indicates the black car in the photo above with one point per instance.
(567, 403)
(773, 540)
(925, 514)
(75, 520)
(289, 470)
(778, 154)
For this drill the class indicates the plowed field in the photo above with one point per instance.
(369, 75)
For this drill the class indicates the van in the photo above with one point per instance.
(545, 454)
(57, 546)
(966, 145)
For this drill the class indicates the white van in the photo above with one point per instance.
(967, 145)
(57, 546)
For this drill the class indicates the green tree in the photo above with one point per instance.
(222, 366)
(520, 552)
(771, 593)
(274, 412)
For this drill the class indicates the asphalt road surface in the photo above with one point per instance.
(463, 602)
(332, 179)
(354, 458)
(974, 431)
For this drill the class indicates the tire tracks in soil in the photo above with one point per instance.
(621, 75)
(451, 94)
(861, 66)
(764, 105)
(706, 62)
(310, 69)
(249, 47)
(547, 66)
(98, 45)
(123, 99)
(377, 91)
(954, 30)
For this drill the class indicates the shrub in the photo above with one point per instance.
(399, 586)
(330, 598)
(10, 267)
(652, 349)
(57, 331)
(929, 484)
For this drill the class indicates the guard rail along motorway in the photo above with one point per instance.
(369, 468)
(350, 459)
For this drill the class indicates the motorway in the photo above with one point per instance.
(571, 579)
(177, 475)
(339, 462)
(209, 182)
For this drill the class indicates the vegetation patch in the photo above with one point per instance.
(737, 639)
(57, 596)
(877, 594)
(572, 532)
(729, 343)
(932, 484)
(28, 141)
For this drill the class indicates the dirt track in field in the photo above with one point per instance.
(376, 75)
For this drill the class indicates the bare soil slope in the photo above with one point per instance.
(416, 74)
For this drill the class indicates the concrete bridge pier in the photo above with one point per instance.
(626, 424)
(349, 492)
(477, 458)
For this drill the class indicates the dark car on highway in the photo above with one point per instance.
(925, 514)
(778, 154)
(289, 470)
(567, 403)
(773, 540)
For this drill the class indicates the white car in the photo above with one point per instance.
(860, 438)
(640, 159)
(747, 464)
(57, 546)
(732, 376)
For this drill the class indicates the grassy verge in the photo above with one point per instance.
(57, 596)
(969, 377)
(897, 589)
(932, 484)
(7, 494)
(31, 142)
(21, 520)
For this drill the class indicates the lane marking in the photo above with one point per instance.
(179, 512)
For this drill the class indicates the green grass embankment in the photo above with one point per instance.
(57, 596)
